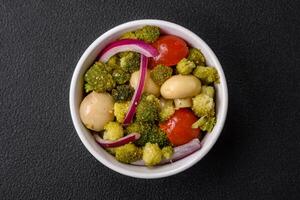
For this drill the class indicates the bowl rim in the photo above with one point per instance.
(75, 76)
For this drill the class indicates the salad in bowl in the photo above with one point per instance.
(149, 98)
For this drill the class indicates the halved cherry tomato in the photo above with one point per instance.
(171, 50)
(179, 127)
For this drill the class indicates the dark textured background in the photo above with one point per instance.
(257, 155)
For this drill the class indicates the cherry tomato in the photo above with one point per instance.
(171, 50)
(179, 127)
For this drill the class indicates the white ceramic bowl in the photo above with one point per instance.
(76, 93)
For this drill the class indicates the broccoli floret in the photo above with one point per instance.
(113, 63)
(148, 109)
(128, 35)
(143, 129)
(151, 98)
(208, 90)
(128, 153)
(166, 109)
(122, 93)
(120, 110)
(88, 88)
(196, 56)
(152, 154)
(207, 75)
(149, 133)
(166, 113)
(185, 66)
(160, 74)
(167, 152)
(120, 76)
(98, 78)
(113, 131)
(148, 33)
(157, 136)
(136, 127)
(124, 53)
(203, 105)
(112, 150)
(205, 123)
(130, 61)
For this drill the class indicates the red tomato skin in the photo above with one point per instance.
(171, 50)
(179, 127)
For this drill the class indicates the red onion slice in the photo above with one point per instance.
(146, 50)
(179, 152)
(127, 45)
(138, 92)
(124, 140)
(184, 151)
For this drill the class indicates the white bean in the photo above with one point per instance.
(180, 86)
(183, 103)
(150, 86)
(96, 110)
